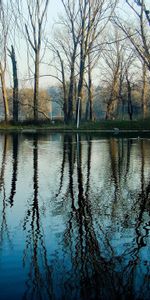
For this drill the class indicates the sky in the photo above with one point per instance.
(54, 9)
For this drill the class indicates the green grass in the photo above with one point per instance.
(104, 125)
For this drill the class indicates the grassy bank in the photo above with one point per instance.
(102, 125)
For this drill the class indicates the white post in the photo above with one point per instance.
(78, 113)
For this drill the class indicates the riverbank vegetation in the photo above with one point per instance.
(98, 53)
(115, 126)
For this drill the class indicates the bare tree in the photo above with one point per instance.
(144, 90)
(72, 21)
(37, 10)
(94, 17)
(83, 23)
(15, 83)
(138, 33)
(4, 27)
(59, 67)
(113, 56)
(142, 4)
(119, 59)
(66, 50)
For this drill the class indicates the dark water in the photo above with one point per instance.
(74, 217)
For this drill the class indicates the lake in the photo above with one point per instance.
(74, 217)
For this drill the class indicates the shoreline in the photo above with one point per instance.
(116, 127)
(73, 130)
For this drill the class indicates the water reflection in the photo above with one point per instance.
(38, 283)
(83, 227)
(14, 168)
(4, 230)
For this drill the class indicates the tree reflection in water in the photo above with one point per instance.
(93, 275)
(15, 168)
(103, 243)
(4, 230)
(38, 284)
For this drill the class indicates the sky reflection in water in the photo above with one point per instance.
(74, 217)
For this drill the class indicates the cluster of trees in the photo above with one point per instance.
(99, 55)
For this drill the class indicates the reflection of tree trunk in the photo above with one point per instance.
(15, 169)
(129, 145)
(143, 197)
(39, 283)
(88, 165)
(62, 165)
(113, 158)
(87, 256)
(90, 270)
(4, 93)
(71, 167)
(35, 183)
(3, 161)
(4, 230)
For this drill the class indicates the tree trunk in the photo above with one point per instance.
(80, 87)
(65, 103)
(36, 86)
(81, 74)
(65, 93)
(130, 106)
(64, 87)
(4, 93)
(90, 94)
(15, 85)
(144, 93)
(71, 89)
(87, 110)
(89, 104)
(113, 99)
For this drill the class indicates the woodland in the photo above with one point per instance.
(96, 58)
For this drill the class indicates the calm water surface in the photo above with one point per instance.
(74, 217)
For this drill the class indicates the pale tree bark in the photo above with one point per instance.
(4, 93)
(4, 29)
